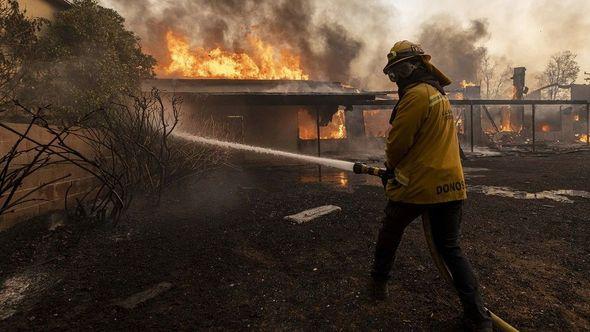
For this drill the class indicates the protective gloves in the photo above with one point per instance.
(389, 174)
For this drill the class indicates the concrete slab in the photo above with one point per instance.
(312, 214)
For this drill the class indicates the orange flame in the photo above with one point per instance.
(506, 124)
(336, 129)
(583, 138)
(545, 128)
(263, 61)
(465, 84)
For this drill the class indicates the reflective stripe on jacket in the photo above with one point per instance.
(423, 148)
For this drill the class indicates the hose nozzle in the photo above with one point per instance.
(360, 168)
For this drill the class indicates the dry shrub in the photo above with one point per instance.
(129, 148)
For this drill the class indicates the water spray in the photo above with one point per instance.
(340, 164)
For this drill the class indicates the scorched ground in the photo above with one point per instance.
(234, 263)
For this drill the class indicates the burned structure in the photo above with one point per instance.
(290, 115)
(524, 120)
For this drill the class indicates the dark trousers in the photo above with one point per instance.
(445, 219)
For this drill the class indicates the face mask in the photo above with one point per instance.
(401, 71)
(391, 76)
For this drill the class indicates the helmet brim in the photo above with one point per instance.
(443, 79)
(425, 57)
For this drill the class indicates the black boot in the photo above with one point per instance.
(378, 289)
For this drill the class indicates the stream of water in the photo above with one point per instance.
(340, 164)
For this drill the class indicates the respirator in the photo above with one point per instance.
(401, 70)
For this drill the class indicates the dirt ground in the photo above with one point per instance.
(222, 257)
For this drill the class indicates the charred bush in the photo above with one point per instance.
(128, 149)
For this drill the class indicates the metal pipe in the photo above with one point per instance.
(522, 117)
(317, 124)
(487, 112)
(471, 126)
(533, 127)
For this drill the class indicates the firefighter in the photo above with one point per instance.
(422, 153)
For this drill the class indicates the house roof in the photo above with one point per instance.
(246, 86)
(261, 92)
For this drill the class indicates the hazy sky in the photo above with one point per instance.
(526, 32)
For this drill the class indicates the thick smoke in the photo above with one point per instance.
(331, 37)
(453, 48)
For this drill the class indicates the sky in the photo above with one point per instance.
(526, 32)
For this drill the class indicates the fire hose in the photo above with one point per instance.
(499, 323)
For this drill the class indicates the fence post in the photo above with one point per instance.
(317, 124)
(471, 124)
(533, 129)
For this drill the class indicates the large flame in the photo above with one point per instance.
(261, 61)
(336, 129)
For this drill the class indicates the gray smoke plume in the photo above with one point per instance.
(454, 48)
(327, 34)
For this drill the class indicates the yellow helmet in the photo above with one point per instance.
(403, 50)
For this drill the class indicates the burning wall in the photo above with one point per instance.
(336, 129)
(272, 113)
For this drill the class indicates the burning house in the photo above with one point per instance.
(281, 114)
(263, 97)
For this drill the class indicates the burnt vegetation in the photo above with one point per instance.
(79, 84)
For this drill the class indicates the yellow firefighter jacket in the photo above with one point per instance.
(423, 149)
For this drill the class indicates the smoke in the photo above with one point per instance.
(347, 40)
(332, 38)
(454, 48)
